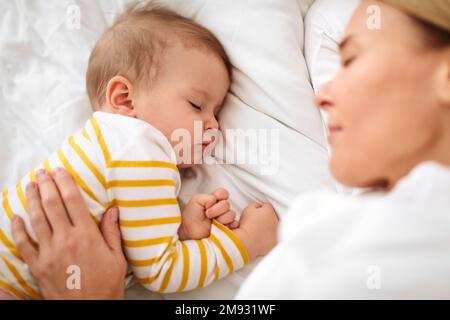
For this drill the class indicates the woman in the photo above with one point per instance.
(389, 116)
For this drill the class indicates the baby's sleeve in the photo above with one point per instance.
(141, 181)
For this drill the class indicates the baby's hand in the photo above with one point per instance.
(258, 229)
(202, 208)
(221, 210)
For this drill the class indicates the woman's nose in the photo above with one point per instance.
(323, 99)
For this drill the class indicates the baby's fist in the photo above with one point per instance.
(202, 208)
(221, 209)
(260, 225)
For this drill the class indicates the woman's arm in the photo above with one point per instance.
(72, 250)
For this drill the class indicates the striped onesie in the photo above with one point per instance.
(125, 162)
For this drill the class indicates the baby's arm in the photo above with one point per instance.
(150, 218)
(141, 179)
(160, 260)
(164, 263)
(257, 231)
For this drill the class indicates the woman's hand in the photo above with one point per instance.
(70, 243)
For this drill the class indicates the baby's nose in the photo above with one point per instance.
(211, 124)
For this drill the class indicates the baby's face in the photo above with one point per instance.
(190, 88)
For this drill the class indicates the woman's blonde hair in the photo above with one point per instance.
(434, 12)
(130, 47)
(433, 16)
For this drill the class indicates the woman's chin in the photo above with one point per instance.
(347, 174)
(351, 177)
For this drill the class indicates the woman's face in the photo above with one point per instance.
(385, 109)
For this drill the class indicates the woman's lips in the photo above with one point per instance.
(333, 131)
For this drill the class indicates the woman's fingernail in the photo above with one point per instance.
(57, 172)
(31, 186)
(41, 173)
(15, 219)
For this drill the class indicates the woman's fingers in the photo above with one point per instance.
(110, 229)
(23, 241)
(37, 216)
(72, 198)
(218, 209)
(52, 203)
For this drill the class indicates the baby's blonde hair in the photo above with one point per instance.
(130, 47)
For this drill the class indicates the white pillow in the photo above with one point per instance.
(271, 90)
(324, 26)
(43, 59)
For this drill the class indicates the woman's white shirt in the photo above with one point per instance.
(373, 246)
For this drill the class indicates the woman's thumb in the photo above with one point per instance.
(110, 229)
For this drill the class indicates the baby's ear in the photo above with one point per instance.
(119, 96)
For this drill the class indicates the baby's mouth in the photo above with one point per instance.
(205, 144)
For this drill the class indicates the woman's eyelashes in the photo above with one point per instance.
(348, 61)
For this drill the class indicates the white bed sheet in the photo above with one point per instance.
(43, 58)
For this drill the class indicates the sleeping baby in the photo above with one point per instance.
(151, 73)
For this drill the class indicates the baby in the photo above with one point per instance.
(151, 73)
